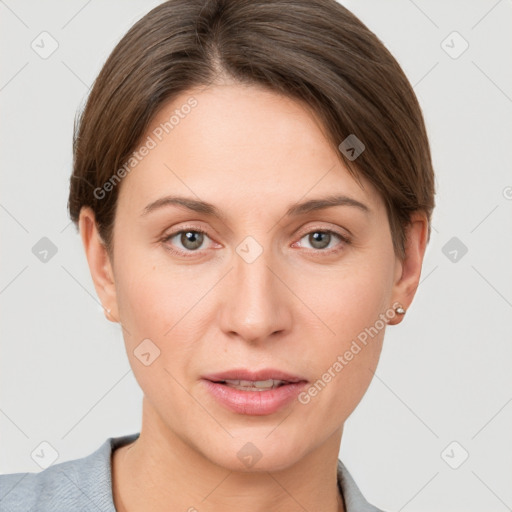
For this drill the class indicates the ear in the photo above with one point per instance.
(99, 263)
(408, 270)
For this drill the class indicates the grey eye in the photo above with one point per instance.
(190, 240)
(319, 239)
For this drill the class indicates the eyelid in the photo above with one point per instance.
(186, 227)
(347, 237)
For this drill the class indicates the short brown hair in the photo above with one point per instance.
(315, 51)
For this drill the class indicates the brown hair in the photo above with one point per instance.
(315, 51)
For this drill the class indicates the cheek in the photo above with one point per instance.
(350, 299)
(162, 302)
(153, 306)
(353, 306)
(152, 293)
(142, 297)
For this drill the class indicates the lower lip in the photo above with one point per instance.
(255, 403)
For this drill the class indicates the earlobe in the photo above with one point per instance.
(408, 272)
(99, 262)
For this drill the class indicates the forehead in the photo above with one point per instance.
(235, 142)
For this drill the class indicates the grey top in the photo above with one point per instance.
(85, 484)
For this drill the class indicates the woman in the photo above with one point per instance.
(253, 187)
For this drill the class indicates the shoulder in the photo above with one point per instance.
(352, 496)
(79, 484)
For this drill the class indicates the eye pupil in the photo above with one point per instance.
(191, 239)
(318, 239)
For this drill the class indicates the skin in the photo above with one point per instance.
(252, 153)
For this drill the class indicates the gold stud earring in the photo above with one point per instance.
(399, 310)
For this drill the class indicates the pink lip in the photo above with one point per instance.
(256, 403)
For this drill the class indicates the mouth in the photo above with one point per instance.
(254, 393)
(253, 385)
(267, 378)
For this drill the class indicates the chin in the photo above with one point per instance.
(256, 453)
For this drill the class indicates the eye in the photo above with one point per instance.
(186, 240)
(324, 240)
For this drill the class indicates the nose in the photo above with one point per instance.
(256, 304)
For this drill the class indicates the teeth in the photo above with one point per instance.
(254, 385)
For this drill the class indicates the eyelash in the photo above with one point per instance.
(320, 252)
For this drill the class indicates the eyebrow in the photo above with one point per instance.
(294, 210)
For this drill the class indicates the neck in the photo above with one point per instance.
(160, 472)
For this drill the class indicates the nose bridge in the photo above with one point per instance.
(255, 306)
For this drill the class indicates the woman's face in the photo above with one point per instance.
(273, 285)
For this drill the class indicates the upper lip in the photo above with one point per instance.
(263, 374)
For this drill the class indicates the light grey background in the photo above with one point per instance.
(445, 372)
